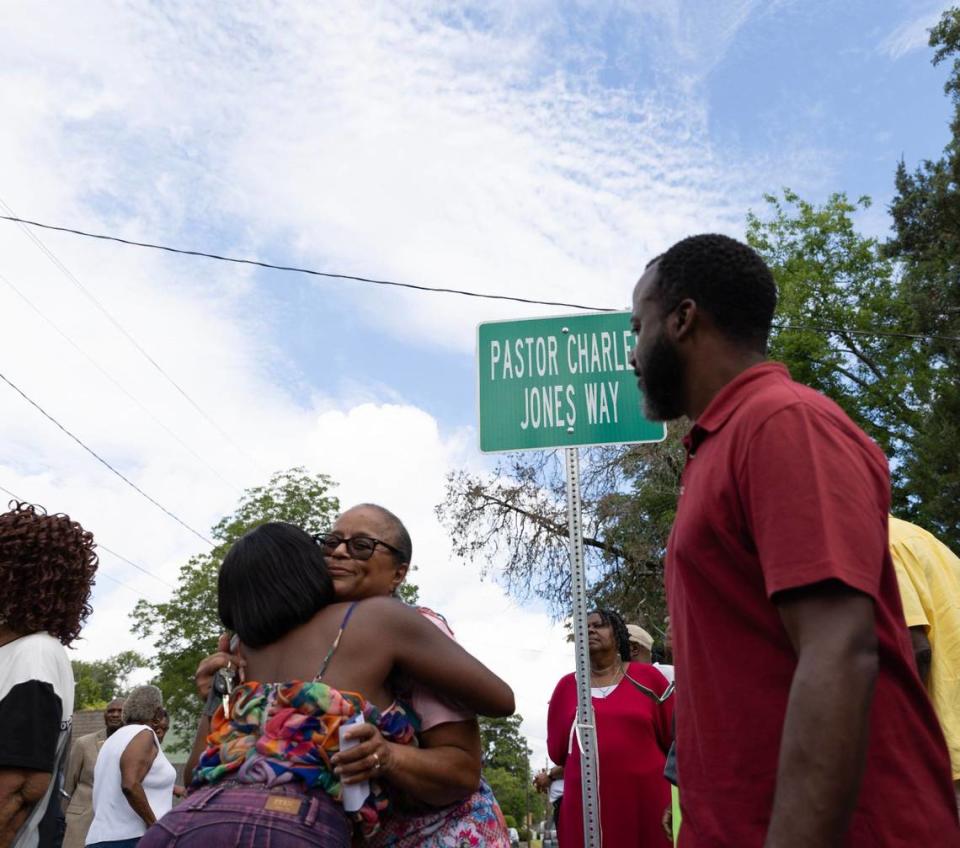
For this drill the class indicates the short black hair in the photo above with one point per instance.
(620, 632)
(401, 537)
(727, 279)
(272, 580)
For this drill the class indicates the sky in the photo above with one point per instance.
(546, 150)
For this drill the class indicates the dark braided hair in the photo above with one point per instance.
(620, 634)
(47, 564)
(728, 280)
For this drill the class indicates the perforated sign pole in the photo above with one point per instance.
(586, 729)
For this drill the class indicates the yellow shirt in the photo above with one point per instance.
(929, 576)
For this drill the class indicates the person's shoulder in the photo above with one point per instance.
(647, 671)
(38, 656)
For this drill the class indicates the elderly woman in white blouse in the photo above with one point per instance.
(133, 780)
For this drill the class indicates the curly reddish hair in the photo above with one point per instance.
(47, 563)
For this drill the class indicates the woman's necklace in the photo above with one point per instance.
(602, 691)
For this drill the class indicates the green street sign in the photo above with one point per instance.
(559, 383)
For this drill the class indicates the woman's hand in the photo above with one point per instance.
(372, 758)
(209, 666)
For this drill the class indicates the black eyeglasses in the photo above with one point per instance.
(359, 547)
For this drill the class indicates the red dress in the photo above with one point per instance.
(633, 736)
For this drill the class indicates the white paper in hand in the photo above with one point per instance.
(354, 794)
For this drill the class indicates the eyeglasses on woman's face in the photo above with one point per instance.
(358, 547)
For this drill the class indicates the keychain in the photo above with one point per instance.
(223, 685)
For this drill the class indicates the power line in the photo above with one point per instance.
(138, 567)
(117, 383)
(101, 572)
(433, 289)
(311, 271)
(102, 461)
(73, 278)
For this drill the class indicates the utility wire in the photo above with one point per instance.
(432, 289)
(298, 270)
(102, 461)
(138, 567)
(73, 278)
(117, 383)
(101, 572)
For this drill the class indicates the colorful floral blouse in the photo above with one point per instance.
(279, 732)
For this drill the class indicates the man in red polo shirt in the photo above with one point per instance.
(801, 720)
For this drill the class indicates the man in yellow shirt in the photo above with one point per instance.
(928, 573)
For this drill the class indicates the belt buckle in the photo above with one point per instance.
(282, 804)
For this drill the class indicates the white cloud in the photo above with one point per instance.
(911, 35)
(470, 147)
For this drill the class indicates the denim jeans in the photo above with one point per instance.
(242, 816)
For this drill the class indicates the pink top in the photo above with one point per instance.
(427, 704)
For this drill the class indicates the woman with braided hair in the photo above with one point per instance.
(633, 712)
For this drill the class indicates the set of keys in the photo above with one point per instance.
(223, 684)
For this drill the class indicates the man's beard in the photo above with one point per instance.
(662, 373)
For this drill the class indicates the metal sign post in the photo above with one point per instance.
(564, 382)
(586, 729)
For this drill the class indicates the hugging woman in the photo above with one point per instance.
(312, 662)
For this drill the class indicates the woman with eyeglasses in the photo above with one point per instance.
(633, 716)
(436, 785)
(314, 664)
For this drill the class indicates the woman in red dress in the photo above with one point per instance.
(633, 709)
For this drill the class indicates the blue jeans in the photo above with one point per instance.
(115, 843)
(237, 815)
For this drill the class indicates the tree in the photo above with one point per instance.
(516, 520)
(926, 246)
(184, 629)
(100, 681)
(843, 322)
(503, 746)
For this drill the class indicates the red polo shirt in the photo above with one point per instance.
(781, 490)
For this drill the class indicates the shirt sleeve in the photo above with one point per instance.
(30, 717)
(432, 709)
(815, 502)
(560, 717)
(911, 579)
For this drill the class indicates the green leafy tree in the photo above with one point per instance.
(184, 629)
(844, 322)
(100, 681)
(506, 767)
(926, 246)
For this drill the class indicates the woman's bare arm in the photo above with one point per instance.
(135, 762)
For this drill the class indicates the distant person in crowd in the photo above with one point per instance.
(641, 650)
(78, 777)
(270, 772)
(47, 565)
(132, 780)
(162, 726)
(550, 782)
(441, 796)
(928, 573)
(633, 715)
(641, 644)
(779, 578)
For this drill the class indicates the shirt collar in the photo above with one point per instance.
(728, 399)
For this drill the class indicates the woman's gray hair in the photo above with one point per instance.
(142, 705)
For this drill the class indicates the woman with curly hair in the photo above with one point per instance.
(47, 563)
(633, 715)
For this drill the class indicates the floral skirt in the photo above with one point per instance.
(474, 823)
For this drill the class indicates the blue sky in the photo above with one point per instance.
(542, 149)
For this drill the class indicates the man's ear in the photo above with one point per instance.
(684, 318)
(400, 573)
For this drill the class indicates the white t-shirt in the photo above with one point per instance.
(665, 670)
(113, 817)
(36, 711)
